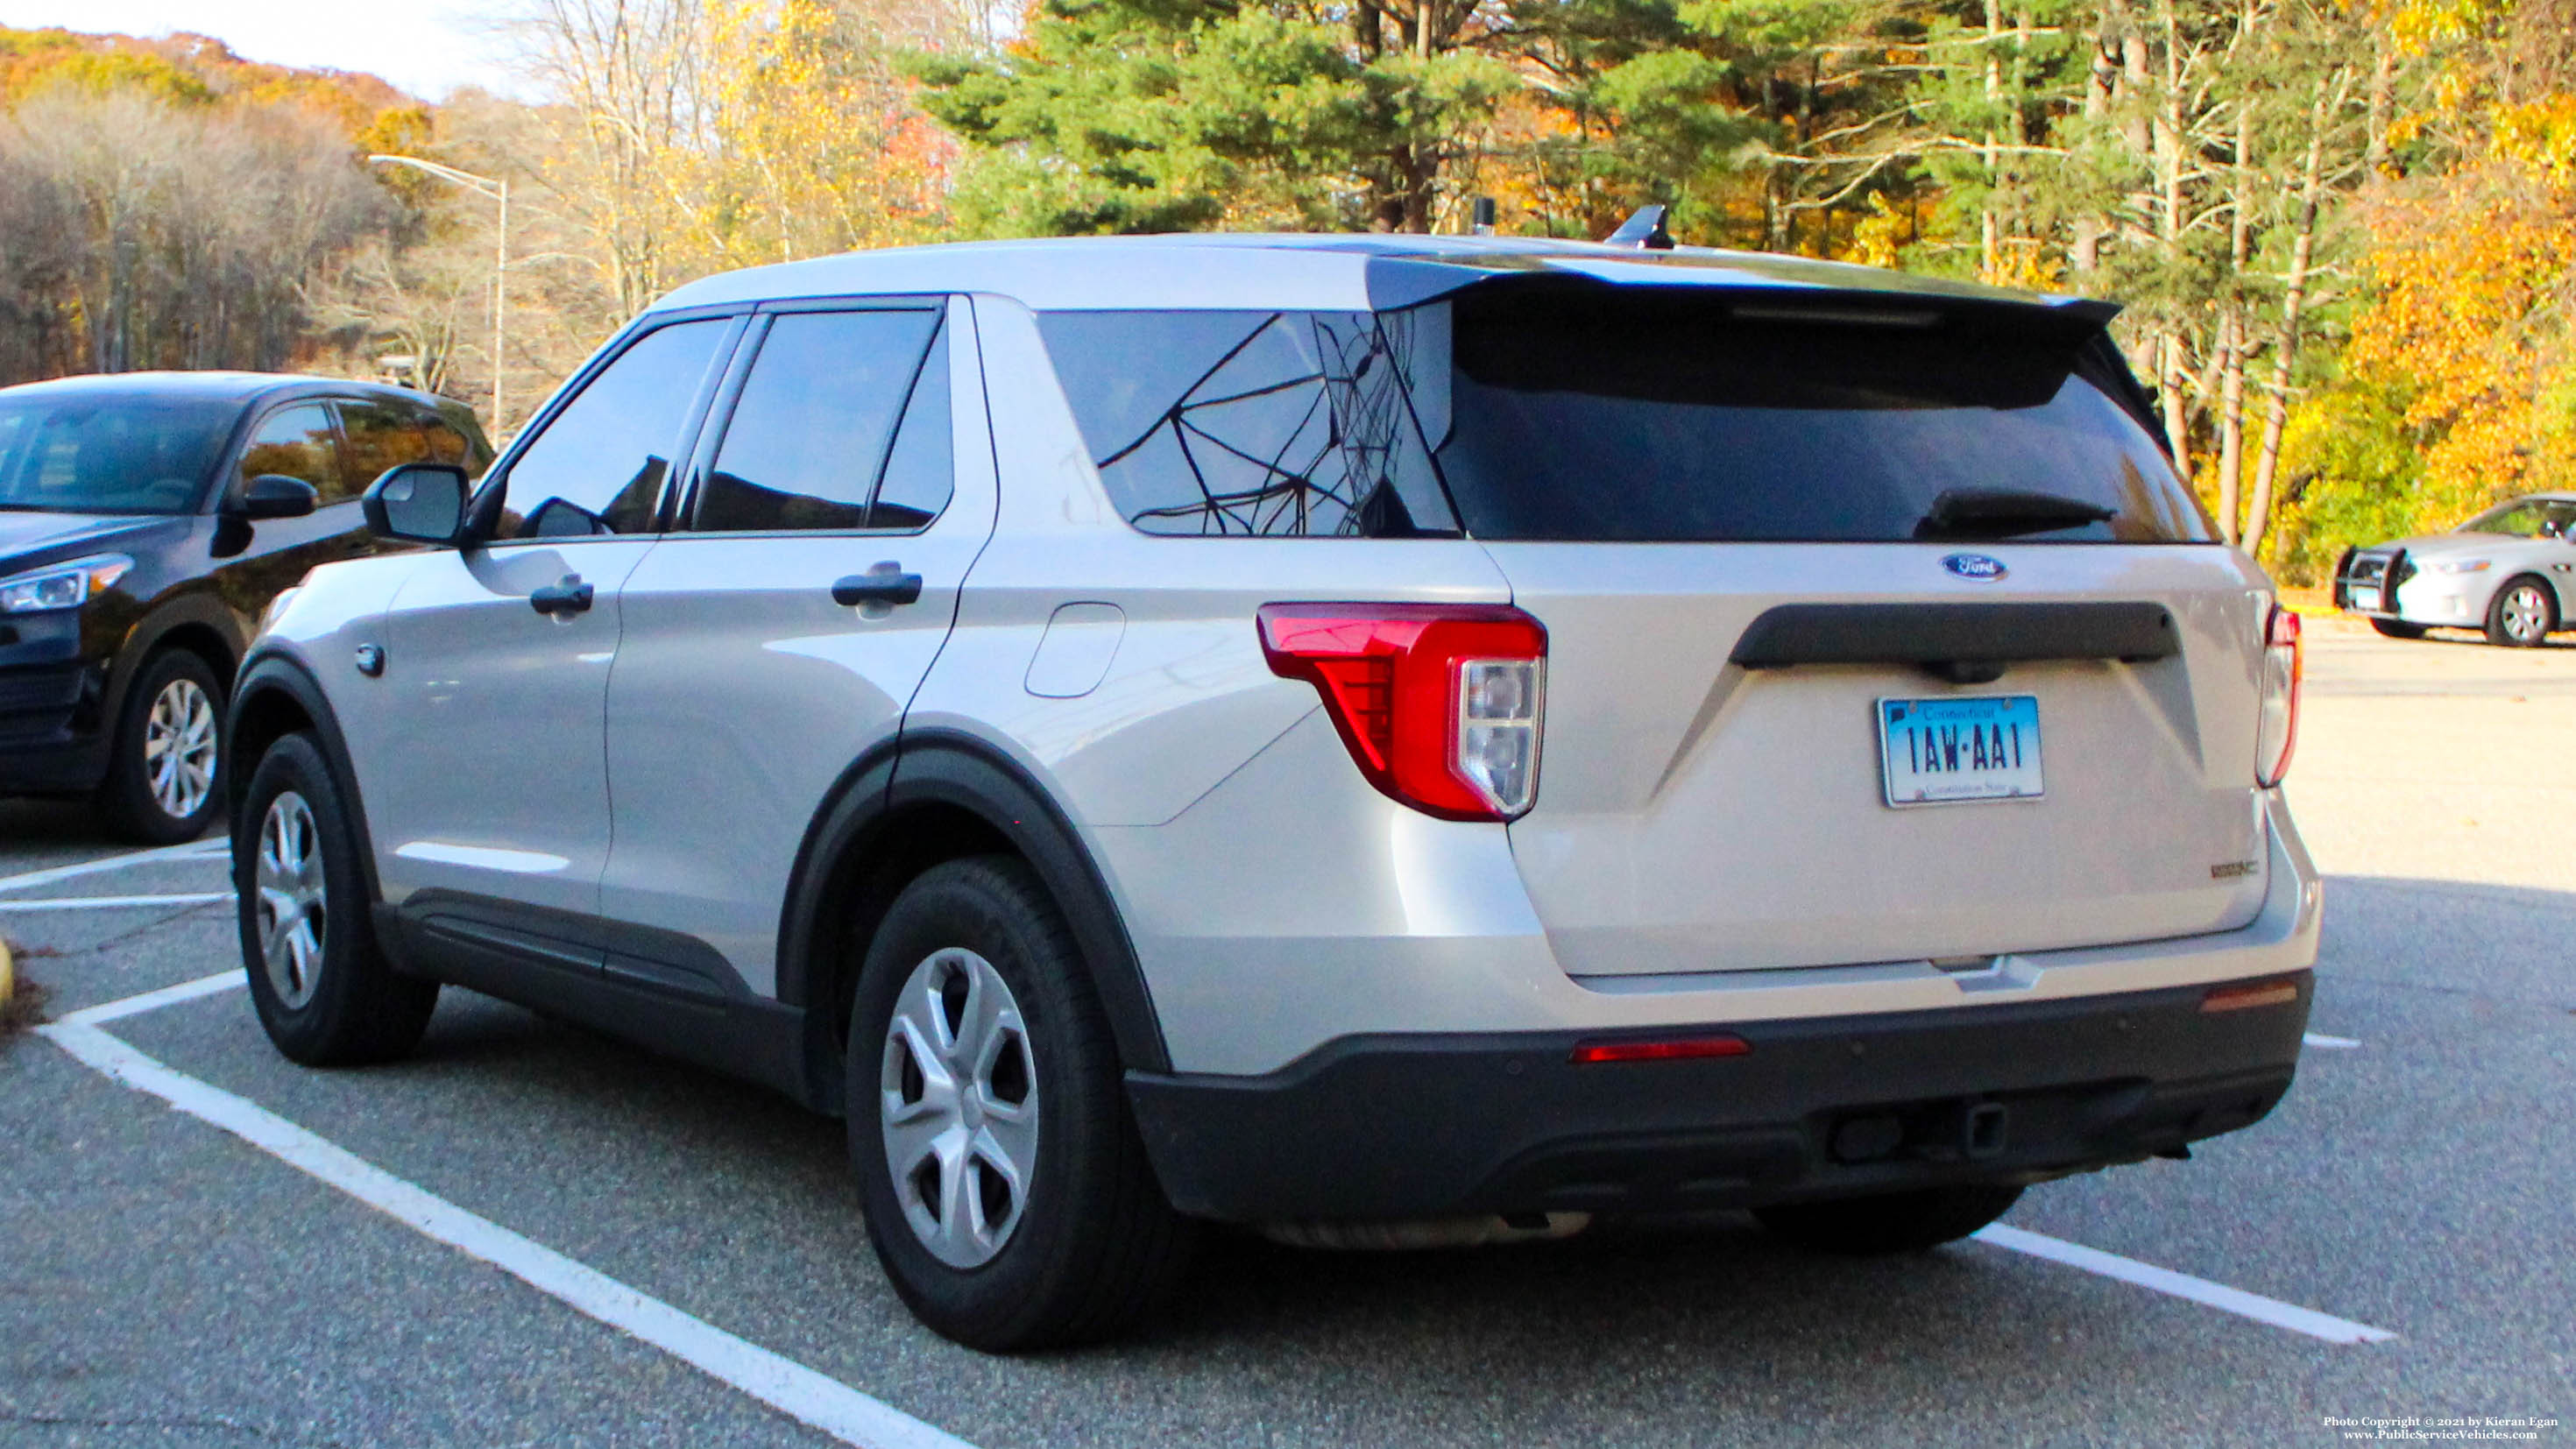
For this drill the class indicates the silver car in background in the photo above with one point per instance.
(2510, 571)
(1374, 739)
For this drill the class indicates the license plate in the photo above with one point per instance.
(1944, 751)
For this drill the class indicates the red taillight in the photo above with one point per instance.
(1684, 1049)
(1440, 704)
(2282, 666)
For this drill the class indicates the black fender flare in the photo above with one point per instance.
(944, 767)
(272, 672)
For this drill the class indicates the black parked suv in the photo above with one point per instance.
(146, 522)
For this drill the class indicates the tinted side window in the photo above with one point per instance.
(380, 435)
(1291, 423)
(297, 441)
(455, 436)
(816, 421)
(920, 473)
(599, 465)
(2520, 521)
(446, 445)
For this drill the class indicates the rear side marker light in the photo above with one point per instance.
(1440, 705)
(2283, 664)
(2248, 997)
(1683, 1049)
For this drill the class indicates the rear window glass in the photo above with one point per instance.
(1281, 424)
(1633, 417)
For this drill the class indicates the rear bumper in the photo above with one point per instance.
(1432, 1126)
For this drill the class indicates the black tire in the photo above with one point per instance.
(2396, 629)
(2503, 613)
(347, 1006)
(1895, 1222)
(1094, 1246)
(139, 751)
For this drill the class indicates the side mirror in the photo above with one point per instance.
(274, 495)
(417, 503)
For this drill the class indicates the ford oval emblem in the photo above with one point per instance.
(1975, 566)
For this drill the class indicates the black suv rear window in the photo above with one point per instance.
(1588, 414)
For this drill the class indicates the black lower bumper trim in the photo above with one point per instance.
(1431, 1126)
(51, 768)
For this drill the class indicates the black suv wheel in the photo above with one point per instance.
(167, 752)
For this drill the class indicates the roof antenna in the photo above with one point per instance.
(1644, 231)
(1484, 214)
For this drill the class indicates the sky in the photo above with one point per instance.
(426, 47)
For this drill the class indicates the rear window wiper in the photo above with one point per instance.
(1961, 513)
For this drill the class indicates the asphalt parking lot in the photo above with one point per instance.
(529, 1235)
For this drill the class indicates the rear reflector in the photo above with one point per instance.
(2251, 995)
(1685, 1049)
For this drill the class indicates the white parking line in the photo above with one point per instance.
(780, 1382)
(2182, 1285)
(2319, 1039)
(193, 850)
(155, 1000)
(814, 1398)
(105, 903)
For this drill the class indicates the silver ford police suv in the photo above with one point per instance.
(1381, 739)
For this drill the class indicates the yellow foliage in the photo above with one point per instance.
(1879, 239)
(2540, 138)
(2471, 313)
(813, 147)
(2024, 262)
(2475, 272)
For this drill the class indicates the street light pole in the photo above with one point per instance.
(499, 190)
(500, 309)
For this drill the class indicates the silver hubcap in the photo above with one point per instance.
(2526, 613)
(958, 1105)
(291, 914)
(179, 748)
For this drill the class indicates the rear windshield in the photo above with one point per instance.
(71, 454)
(1635, 417)
(1534, 411)
(1642, 418)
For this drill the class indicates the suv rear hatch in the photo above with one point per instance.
(1762, 531)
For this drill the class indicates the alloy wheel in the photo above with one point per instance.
(179, 748)
(2526, 614)
(292, 912)
(958, 1107)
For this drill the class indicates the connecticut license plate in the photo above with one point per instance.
(1943, 751)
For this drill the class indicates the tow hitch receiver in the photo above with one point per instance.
(1985, 1134)
(1948, 1132)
